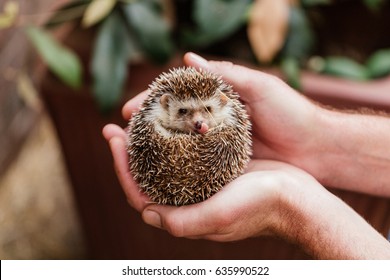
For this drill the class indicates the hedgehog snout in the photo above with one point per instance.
(201, 127)
(198, 125)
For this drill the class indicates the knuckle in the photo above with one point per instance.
(224, 221)
(218, 65)
(173, 226)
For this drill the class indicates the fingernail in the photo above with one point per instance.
(152, 218)
(199, 61)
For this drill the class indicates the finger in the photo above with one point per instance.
(251, 84)
(210, 219)
(186, 221)
(112, 130)
(263, 164)
(194, 60)
(134, 104)
(136, 199)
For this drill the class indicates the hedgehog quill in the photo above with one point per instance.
(190, 138)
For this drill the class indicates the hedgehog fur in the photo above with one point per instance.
(180, 168)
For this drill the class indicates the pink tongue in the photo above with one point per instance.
(203, 129)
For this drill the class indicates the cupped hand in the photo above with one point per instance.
(116, 138)
(251, 205)
(280, 118)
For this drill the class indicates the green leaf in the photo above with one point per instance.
(151, 29)
(97, 11)
(61, 60)
(374, 5)
(68, 12)
(220, 17)
(291, 69)
(378, 64)
(216, 19)
(300, 37)
(109, 61)
(345, 67)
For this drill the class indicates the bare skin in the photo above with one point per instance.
(274, 197)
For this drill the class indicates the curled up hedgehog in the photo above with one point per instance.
(190, 138)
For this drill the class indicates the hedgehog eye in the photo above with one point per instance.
(208, 109)
(182, 111)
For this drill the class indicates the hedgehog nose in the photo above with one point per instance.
(198, 125)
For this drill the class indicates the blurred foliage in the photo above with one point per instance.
(9, 13)
(376, 66)
(299, 41)
(61, 60)
(278, 32)
(344, 67)
(151, 30)
(109, 63)
(374, 4)
(214, 20)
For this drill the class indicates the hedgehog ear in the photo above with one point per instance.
(164, 99)
(223, 98)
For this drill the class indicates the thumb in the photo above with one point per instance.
(189, 221)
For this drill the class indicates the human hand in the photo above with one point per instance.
(282, 120)
(254, 204)
(221, 217)
(271, 197)
(275, 198)
(249, 206)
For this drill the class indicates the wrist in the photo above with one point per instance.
(324, 226)
(305, 221)
(334, 143)
(326, 155)
(311, 217)
(350, 151)
(295, 214)
(317, 146)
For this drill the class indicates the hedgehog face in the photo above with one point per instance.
(194, 115)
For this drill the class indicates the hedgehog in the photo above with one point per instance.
(190, 138)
